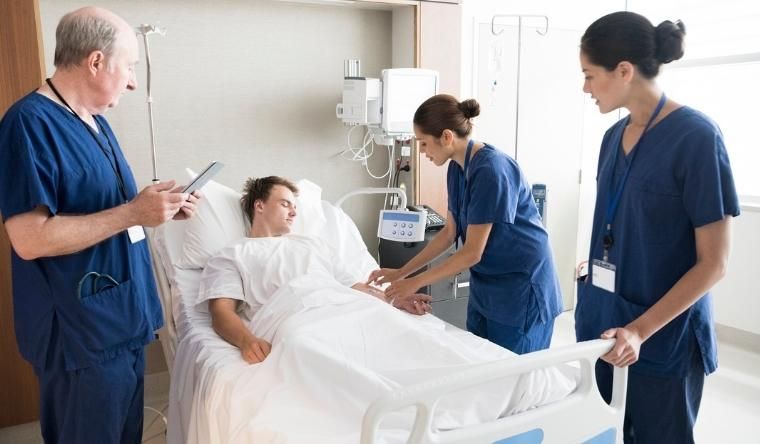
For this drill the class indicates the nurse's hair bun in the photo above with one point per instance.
(668, 38)
(470, 108)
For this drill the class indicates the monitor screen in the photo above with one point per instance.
(404, 90)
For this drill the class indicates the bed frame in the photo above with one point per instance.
(582, 417)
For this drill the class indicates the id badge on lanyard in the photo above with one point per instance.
(603, 275)
(136, 233)
(603, 271)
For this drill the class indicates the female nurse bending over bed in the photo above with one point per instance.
(514, 292)
(661, 235)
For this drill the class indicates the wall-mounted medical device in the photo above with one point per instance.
(361, 101)
(402, 226)
(386, 105)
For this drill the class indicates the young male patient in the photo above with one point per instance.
(243, 277)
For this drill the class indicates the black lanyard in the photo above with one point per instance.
(614, 198)
(112, 160)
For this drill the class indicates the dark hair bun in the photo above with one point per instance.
(669, 41)
(470, 108)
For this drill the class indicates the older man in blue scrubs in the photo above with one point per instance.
(85, 302)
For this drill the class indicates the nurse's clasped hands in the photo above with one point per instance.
(385, 276)
(417, 304)
(402, 288)
(158, 203)
(402, 293)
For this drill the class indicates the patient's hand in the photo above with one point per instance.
(417, 303)
(254, 350)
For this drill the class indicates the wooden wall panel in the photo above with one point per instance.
(440, 49)
(21, 71)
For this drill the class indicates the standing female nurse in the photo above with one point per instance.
(662, 226)
(514, 292)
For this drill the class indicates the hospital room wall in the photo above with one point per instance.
(577, 129)
(558, 128)
(250, 83)
(253, 84)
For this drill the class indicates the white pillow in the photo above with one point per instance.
(347, 242)
(310, 219)
(219, 220)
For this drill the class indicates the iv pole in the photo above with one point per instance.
(519, 51)
(146, 30)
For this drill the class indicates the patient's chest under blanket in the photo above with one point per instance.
(252, 270)
(336, 350)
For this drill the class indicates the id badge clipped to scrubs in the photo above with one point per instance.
(603, 275)
(136, 233)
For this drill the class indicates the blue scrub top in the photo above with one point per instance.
(515, 282)
(680, 180)
(47, 157)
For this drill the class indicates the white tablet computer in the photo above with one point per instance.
(203, 177)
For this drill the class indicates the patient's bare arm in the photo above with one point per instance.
(228, 325)
(417, 303)
(370, 290)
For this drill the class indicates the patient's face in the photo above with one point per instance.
(279, 211)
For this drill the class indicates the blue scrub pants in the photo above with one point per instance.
(658, 409)
(519, 340)
(99, 404)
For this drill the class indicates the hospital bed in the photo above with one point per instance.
(207, 374)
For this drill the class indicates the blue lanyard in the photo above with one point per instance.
(463, 186)
(467, 154)
(614, 199)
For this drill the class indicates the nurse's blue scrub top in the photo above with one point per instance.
(47, 157)
(515, 282)
(680, 180)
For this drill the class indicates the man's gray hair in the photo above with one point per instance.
(79, 35)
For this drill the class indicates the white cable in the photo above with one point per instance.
(390, 164)
(363, 154)
(357, 154)
(159, 414)
(391, 159)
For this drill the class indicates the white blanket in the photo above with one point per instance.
(334, 351)
(330, 361)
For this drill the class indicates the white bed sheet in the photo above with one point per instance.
(308, 391)
(217, 398)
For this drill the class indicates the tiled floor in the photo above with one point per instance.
(729, 413)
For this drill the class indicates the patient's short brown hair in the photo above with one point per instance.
(259, 189)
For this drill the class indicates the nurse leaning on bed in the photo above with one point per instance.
(514, 291)
(231, 279)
